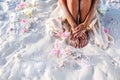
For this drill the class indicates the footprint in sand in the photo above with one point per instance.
(116, 61)
(2, 16)
(3, 8)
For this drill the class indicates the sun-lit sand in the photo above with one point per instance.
(28, 51)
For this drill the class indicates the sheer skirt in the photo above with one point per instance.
(95, 31)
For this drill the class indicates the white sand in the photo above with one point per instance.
(26, 56)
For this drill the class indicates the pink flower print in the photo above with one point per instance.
(106, 30)
(63, 34)
(60, 33)
(66, 34)
(57, 51)
(57, 45)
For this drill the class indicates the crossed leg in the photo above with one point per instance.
(79, 15)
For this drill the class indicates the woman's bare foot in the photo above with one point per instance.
(78, 42)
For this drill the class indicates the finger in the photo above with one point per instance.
(77, 34)
(79, 27)
(80, 37)
(83, 36)
(76, 28)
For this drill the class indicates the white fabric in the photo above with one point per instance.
(95, 31)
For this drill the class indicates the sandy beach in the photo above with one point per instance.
(28, 50)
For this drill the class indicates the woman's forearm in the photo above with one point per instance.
(67, 13)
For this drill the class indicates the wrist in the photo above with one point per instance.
(73, 28)
(85, 25)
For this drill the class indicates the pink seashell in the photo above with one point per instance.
(106, 30)
(17, 8)
(23, 21)
(24, 31)
(23, 4)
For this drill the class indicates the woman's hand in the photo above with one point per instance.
(81, 26)
(78, 37)
(78, 42)
(79, 31)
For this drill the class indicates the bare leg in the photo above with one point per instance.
(70, 8)
(73, 6)
(67, 13)
(85, 6)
